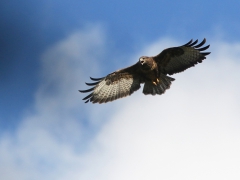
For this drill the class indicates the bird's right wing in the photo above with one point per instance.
(177, 59)
(116, 85)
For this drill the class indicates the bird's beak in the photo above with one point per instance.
(141, 61)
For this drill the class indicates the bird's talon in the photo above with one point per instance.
(154, 83)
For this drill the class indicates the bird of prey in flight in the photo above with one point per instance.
(151, 71)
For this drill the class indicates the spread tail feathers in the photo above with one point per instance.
(163, 84)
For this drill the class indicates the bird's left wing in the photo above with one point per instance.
(116, 85)
(177, 59)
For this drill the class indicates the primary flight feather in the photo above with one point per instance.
(152, 71)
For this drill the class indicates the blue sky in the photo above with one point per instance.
(50, 48)
(28, 28)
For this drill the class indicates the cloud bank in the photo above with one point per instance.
(190, 132)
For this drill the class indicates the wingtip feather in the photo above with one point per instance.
(192, 44)
(96, 79)
(187, 44)
(201, 43)
(92, 84)
(88, 96)
(204, 48)
(88, 90)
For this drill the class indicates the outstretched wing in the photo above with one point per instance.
(116, 85)
(177, 59)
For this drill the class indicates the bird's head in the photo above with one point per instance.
(145, 63)
(142, 60)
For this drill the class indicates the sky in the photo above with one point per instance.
(49, 49)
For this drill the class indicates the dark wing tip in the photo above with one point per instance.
(198, 46)
(204, 48)
(201, 43)
(89, 97)
(87, 90)
(206, 53)
(187, 44)
(96, 79)
(92, 84)
(193, 44)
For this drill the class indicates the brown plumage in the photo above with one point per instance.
(152, 71)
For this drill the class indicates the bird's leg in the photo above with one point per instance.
(156, 77)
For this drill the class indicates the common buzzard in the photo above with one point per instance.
(152, 71)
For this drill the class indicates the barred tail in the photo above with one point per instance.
(164, 84)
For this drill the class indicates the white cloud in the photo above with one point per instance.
(52, 135)
(190, 132)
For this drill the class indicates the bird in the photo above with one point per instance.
(151, 71)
